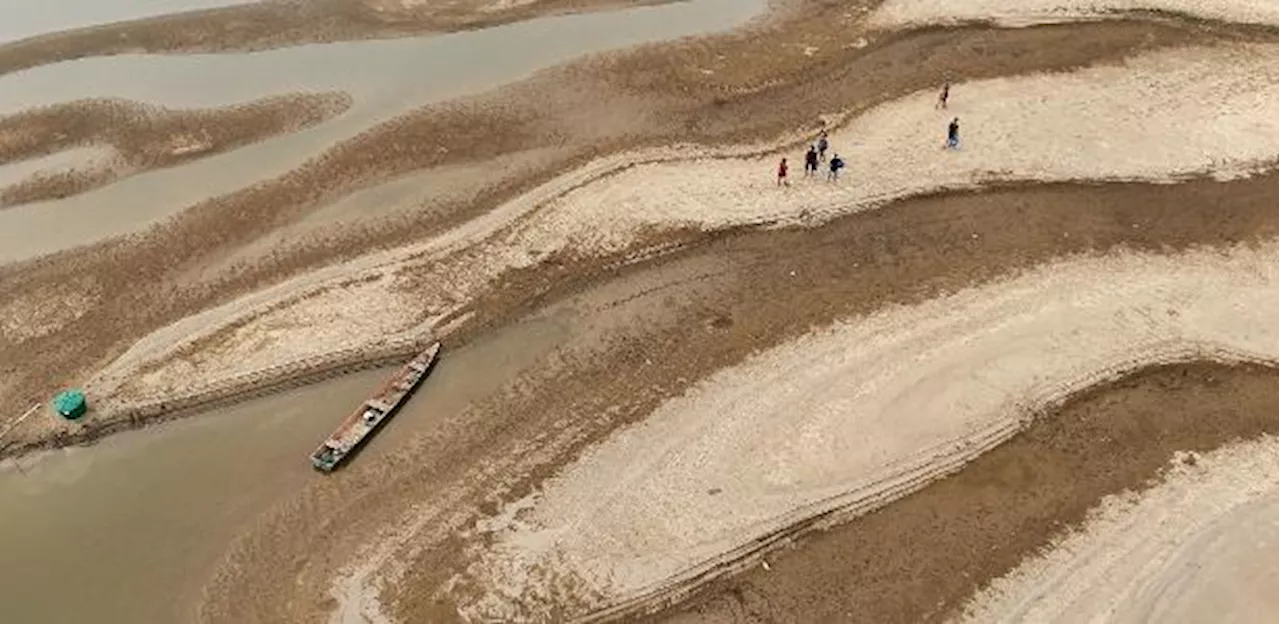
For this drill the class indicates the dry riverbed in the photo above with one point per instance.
(169, 262)
(741, 364)
(134, 137)
(271, 24)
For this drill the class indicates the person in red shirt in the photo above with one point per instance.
(782, 173)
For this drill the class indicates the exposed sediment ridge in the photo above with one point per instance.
(895, 14)
(563, 216)
(741, 289)
(606, 206)
(683, 488)
(1194, 548)
(167, 259)
(255, 26)
(1172, 427)
(142, 137)
(1068, 579)
(292, 176)
(831, 354)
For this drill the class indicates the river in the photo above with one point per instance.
(386, 78)
(128, 530)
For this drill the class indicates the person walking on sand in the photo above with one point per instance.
(782, 173)
(822, 146)
(811, 162)
(953, 134)
(943, 95)
(836, 165)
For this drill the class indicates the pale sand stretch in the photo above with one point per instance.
(896, 14)
(1156, 117)
(1200, 547)
(853, 416)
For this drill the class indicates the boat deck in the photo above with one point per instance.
(375, 410)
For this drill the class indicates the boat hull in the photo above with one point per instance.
(374, 412)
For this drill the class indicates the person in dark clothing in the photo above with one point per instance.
(811, 161)
(836, 165)
(953, 134)
(943, 95)
(822, 146)
(782, 173)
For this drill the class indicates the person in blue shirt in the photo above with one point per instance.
(953, 134)
(836, 165)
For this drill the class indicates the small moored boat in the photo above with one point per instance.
(375, 410)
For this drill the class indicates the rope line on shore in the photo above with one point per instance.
(17, 421)
(227, 392)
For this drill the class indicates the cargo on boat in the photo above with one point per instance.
(375, 410)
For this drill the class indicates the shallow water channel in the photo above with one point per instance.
(130, 529)
(20, 19)
(386, 78)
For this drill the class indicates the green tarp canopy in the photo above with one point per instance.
(70, 404)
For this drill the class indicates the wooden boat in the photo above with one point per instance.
(375, 410)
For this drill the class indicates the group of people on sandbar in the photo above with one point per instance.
(813, 158)
(817, 153)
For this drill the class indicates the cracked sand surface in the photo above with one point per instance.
(1111, 122)
(852, 417)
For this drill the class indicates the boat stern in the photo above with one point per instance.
(326, 458)
(323, 465)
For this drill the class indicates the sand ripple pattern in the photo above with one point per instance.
(850, 418)
(1158, 117)
(1200, 547)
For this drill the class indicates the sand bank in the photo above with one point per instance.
(1097, 123)
(923, 558)
(66, 149)
(1199, 547)
(852, 417)
(91, 157)
(28, 20)
(384, 89)
(44, 35)
(895, 14)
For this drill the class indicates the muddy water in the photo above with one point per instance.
(382, 74)
(386, 78)
(59, 162)
(22, 18)
(128, 530)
